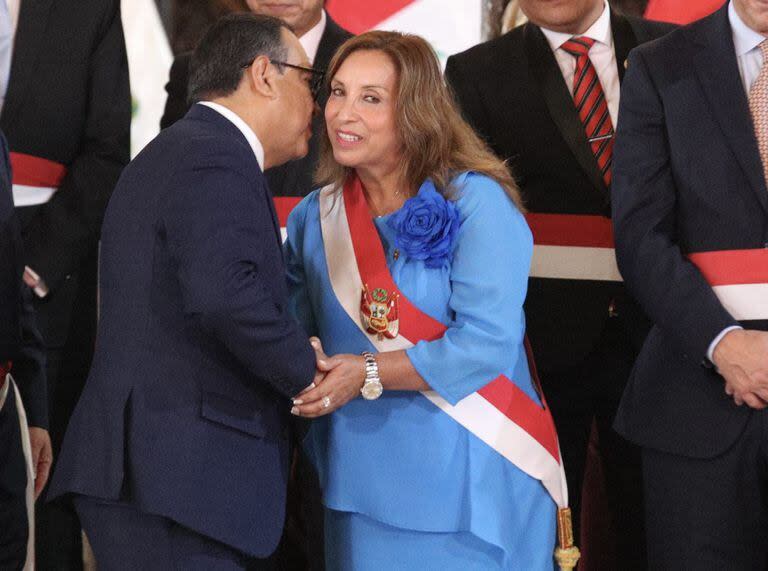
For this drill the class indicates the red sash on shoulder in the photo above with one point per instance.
(500, 413)
(35, 180)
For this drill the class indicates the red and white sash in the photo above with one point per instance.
(35, 180)
(9, 387)
(573, 247)
(500, 414)
(739, 279)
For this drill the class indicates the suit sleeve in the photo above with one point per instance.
(670, 288)
(467, 97)
(176, 105)
(217, 225)
(67, 228)
(29, 357)
(29, 365)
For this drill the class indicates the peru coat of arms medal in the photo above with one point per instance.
(378, 312)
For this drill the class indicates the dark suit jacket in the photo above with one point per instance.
(687, 178)
(187, 404)
(68, 101)
(293, 178)
(513, 93)
(21, 344)
(20, 341)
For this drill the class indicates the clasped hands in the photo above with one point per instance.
(337, 381)
(741, 357)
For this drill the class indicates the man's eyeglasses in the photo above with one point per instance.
(315, 79)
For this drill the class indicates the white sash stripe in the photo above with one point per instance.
(575, 263)
(744, 301)
(474, 412)
(27, 449)
(24, 195)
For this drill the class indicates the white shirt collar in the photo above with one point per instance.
(600, 31)
(247, 132)
(745, 39)
(311, 40)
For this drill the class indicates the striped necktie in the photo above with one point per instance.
(6, 45)
(589, 99)
(758, 105)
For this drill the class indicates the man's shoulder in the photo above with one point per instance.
(649, 30)
(335, 34)
(488, 54)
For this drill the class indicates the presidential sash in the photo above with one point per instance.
(35, 180)
(500, 414)
(739, 279)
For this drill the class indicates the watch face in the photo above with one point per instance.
(372, 390)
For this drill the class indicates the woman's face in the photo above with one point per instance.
(360, 114)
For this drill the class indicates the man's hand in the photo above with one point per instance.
(42, 456)
(741, 357)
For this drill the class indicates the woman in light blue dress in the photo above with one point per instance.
(416, 253)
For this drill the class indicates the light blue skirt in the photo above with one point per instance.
(354, 542)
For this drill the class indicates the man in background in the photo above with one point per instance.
(23, 406)
(66, 111)
(320, 36)
(691, 216)
(545, 96)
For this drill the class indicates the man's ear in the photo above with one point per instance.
(262, 77)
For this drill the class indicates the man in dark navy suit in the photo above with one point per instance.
(690, 208)
(21, 349)
(177, 453)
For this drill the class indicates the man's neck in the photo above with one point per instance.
(310, 25)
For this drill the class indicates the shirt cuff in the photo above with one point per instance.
(711, 350)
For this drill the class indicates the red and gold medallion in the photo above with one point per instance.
(378, 312)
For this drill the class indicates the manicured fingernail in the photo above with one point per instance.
(322, 362)
(298, 401)
(315, 343)
(295, 411)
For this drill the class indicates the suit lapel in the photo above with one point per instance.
(717, 70)
(546, 73)
(624, 40)
(28, 44)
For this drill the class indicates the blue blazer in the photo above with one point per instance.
(687, 178)
(185, 411)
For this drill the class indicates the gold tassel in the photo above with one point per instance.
(567, 554)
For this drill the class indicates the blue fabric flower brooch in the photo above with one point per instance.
(427, 227)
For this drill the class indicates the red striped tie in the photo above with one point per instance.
(590, 102)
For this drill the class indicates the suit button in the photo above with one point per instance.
(612, 309)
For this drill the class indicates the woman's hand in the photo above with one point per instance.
(343, 378)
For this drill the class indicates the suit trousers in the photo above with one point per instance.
(126, 539)
(590, 393)
(710, 513)
(14, 525)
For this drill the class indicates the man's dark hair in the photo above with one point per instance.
(227, 48)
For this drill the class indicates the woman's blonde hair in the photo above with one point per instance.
(437, 143)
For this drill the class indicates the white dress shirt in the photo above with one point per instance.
(746, 42)
(250, 136)
(311, 40)
(602, 55)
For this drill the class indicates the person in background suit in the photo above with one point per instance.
(691, 214)
(66, 114)
(320, 36)
(545, 97)
(177, 453)
(21, 349)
